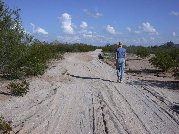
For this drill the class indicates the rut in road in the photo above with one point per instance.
(79, 95)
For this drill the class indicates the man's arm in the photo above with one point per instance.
(116, 55)
(125, 55)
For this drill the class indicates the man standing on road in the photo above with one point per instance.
(120, 61)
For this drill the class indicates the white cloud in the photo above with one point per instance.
(129, 29)
(110, 29)
(33, 26)
(38, 30)
(83, 25)
(82, 31)
(88, 34)
(174, 13)
(66, 23)
(41, 30)
(98, 14)
(152, 38)
(69, 39)
(174, 34)
(146, 27)
(137, 32)
(94, 14)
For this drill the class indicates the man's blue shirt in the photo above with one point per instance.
(121, 52)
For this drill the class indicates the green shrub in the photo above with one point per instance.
(132, 49)
(36, 69)
(34, 62)
(77, 47)
(163, 60)
(142, 52)
(12, 34)
(109, 48)
(18, 88)
(5, 127)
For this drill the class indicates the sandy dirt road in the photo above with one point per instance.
(79, 95)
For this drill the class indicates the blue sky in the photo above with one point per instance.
(98, 22)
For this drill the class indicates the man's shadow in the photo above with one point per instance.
(90, 78)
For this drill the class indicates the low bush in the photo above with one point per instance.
(142, 52)
(18, 88)
(164, 61)
(109, 48)
(32, 59)
(5, 128)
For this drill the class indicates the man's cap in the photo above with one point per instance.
(120, 43)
